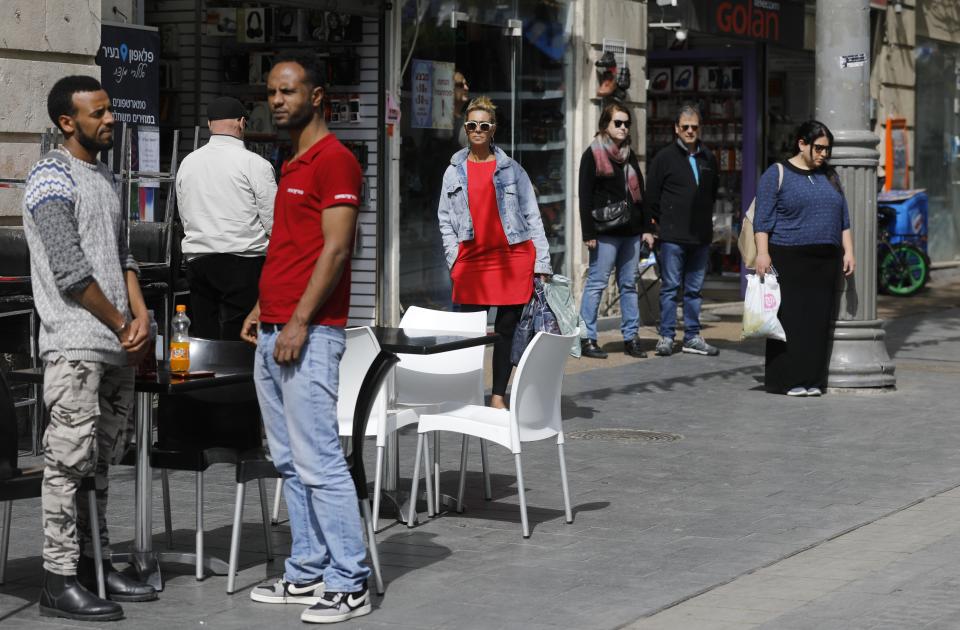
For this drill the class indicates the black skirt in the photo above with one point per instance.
(808, 276)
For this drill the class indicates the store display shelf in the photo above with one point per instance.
(528, 96)
(554, 198)
(259, 137)
(546, 146)
(707, 119)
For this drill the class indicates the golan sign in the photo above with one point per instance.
(129, 59)
(775, 21)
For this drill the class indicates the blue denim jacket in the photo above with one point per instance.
(516, 200)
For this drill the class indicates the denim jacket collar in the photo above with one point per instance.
(459, 160)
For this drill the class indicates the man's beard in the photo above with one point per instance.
(90, 143)
(297, 120)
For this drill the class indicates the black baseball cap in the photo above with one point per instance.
(226, 108)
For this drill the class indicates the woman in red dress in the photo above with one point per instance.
(492, 234)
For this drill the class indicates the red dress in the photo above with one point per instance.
(488, 270)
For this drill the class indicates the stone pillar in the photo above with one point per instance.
(859, 356)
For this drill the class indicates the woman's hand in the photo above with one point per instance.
(849, 263)
(762, 264)
(591, 244)
(648, 238)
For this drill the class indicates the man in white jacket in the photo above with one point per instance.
(225, 194)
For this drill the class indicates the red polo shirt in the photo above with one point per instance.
(326, 175)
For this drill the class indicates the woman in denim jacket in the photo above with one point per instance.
(492, 233)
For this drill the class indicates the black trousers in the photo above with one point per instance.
(223, 291)
(808, 276)
(504, 325)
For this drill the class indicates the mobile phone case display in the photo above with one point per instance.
(717, 90)
(251, 39)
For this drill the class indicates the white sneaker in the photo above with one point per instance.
(814, 391)
(284, 592)
(797, 391)
(334, 607)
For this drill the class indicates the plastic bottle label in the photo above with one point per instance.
(179, 356)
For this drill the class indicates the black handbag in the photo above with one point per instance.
(611, 216)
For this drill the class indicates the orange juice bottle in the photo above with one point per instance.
(180, 341)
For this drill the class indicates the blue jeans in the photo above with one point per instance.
(686, 264)
(622, 253)
(299, 407)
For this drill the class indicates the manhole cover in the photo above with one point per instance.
(623, 435)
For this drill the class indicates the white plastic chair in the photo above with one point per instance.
(361, 349)
(534, 414)
(424, 382)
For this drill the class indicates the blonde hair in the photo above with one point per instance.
(482, 104)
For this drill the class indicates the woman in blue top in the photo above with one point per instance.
(802, 231)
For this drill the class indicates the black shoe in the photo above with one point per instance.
(589, 348)
(119, 587)
(632, 348)
(63, 596)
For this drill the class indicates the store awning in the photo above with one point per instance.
(371, 8)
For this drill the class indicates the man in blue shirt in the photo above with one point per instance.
(682, 183)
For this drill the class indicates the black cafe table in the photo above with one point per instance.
(146, 561)
(423, 342)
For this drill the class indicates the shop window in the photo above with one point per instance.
(938, 143)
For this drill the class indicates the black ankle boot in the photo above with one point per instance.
(589, 348)
(119, 587)
(64, 596)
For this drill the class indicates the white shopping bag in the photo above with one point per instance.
(760, 308)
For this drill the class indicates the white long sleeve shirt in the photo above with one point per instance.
(225, 194)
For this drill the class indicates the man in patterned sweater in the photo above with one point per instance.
(94, 328)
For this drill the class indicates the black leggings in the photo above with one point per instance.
(504, 325)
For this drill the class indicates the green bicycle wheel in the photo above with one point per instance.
(904, 270)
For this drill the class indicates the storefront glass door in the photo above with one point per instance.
(514, 53)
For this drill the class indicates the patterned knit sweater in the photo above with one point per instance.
(76, 235)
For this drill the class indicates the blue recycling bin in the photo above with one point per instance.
(911, 207)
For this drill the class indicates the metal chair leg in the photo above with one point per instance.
(412, 513)
(436, 471)
(462, 481)
(431, 511)
(265, 512)
(5, 520)
(235, 538)
(372, 544)
(377, 483)
(275, 518)
(485, 464)
(521, 493)
(198, 534)
(566, 486)
(95, 539)
(167, 518)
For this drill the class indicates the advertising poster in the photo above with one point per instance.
(129, 60)
(432, 94)
(442, 95)
(422, 83)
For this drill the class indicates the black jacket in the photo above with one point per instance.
(597, 192)
(682, 210)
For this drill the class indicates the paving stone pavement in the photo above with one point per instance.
(772, 513)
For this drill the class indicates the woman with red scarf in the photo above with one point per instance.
(610, 185)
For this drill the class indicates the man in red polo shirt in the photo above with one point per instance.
(297, 327)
